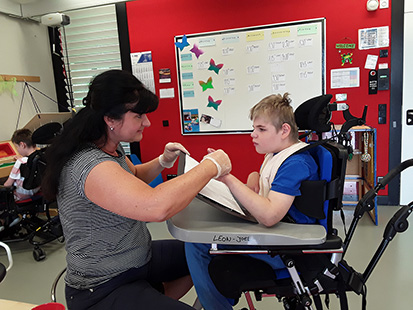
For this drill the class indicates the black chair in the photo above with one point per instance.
(318, 269)
(37, 224)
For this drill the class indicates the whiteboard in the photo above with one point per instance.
(222, 74)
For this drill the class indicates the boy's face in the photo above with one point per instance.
(265, 137)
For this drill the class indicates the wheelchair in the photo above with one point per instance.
(319, 269)
(36, 223)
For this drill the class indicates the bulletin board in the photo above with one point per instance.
(222, 74)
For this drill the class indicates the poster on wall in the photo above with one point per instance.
(142, 68)
(373, 37)
(221, 75)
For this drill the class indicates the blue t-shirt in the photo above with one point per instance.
(295, 169)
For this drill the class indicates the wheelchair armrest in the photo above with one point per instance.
(7, 189)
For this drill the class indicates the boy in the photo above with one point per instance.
(269, 195)
(22, 140)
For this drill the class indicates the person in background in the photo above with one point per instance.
(22, 140)
(105, 202)
(268, 195)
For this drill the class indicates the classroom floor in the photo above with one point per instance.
(388, 287)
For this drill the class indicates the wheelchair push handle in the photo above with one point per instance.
(366, 202)
(395, 171)
(398, 223)
(352, 121)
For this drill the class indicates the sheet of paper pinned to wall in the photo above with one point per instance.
(142, 68)
(215, 190)
(345, 78)
(373, 37)
(166, 93)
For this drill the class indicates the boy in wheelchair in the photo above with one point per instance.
(22, 139)
(269, 196)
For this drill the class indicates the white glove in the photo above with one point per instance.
(170, 154)
(221, 161)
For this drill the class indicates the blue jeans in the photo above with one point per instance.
(198, 259)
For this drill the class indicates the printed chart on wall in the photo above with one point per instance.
(223, 74)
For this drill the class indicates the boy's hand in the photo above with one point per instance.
(221, 161)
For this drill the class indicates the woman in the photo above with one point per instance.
(104, 202)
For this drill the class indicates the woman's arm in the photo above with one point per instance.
(148, 171)
(112, 188)
(268, 211)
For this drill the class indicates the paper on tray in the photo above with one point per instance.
(215, 190)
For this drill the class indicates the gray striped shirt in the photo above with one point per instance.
(100, 244)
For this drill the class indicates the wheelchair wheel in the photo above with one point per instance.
(292, 303)
(39, 254)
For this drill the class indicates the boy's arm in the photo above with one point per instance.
(14, 173)
(9, 182)
(253, 181)
(268, 211)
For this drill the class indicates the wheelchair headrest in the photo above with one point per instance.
(46, 133)
(314, 114)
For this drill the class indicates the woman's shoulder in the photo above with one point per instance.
(87, 153)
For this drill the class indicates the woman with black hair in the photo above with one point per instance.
(104, 202)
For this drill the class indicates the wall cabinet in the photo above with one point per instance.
(361, 167)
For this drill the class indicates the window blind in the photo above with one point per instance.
(90, 45)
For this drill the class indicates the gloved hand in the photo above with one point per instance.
(221, 161)
(170, 154)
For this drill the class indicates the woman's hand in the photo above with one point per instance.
(221, 161)
(171, 153)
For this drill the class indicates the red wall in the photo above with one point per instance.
(153, 25)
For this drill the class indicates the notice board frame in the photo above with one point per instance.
(222, 74)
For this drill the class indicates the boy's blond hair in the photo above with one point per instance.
(278, 110)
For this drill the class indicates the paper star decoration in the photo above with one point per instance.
(207, 84)
(213, 104)
(8, 86)
(214, 67)
(196, 51)
(184, 43)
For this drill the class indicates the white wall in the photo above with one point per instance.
(25, 51)
(406, 189)
(35, 8)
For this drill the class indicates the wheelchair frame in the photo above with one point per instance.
(301, 290)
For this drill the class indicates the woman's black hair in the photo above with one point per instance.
(111, 93)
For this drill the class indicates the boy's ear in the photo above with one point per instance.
(286, 129)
